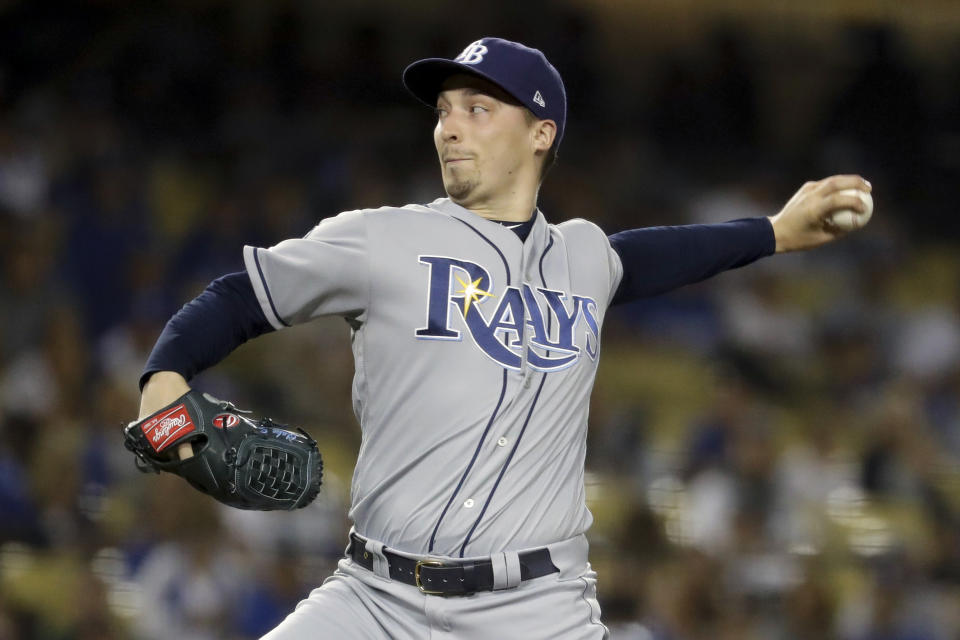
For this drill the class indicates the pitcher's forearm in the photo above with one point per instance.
(161, 389)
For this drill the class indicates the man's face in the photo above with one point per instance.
(483, 138)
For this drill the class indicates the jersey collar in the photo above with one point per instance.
(535, 241)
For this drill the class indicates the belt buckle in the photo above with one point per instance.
(416, 576)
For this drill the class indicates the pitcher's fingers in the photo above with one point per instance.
(185, 450)
(841, 182)
(839, 200)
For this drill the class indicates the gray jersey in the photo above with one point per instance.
(475, 357)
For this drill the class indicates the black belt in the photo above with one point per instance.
(446, 578)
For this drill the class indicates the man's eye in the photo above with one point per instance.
(477, 109)
(439, 112)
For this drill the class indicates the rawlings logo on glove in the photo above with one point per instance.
(163, 428)
(240, 461)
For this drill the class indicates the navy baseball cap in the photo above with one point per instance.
(519, 70)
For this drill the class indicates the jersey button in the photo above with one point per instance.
(468, 503)
(502, 442)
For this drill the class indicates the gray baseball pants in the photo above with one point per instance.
(355, 603)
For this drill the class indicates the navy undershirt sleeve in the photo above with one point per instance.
(658, 259)
(208, 328)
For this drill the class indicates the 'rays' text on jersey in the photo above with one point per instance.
(557, 320)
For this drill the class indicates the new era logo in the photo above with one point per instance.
(539, 99)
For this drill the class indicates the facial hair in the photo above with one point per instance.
(459, 188)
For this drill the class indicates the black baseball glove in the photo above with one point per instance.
(241, 461)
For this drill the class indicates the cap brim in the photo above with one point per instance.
(424, 78)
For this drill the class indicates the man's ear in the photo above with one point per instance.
(544, 131)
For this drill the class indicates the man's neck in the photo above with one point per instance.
(511, 207)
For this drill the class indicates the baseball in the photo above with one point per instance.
(848, 219)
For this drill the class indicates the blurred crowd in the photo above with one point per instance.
(773, 454)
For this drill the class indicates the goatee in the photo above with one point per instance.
(460, 189)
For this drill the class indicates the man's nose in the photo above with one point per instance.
(450, 128)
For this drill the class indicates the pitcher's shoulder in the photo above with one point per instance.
(370, 218)
(581, 229)
(392, 212)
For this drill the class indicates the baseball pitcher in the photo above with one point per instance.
(476, 332)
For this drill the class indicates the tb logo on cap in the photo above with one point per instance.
(473, 54)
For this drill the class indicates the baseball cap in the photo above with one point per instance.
(523, 72)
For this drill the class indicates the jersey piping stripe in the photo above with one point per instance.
(542, 257)
(543, 281)
(266, 288)
(493, 416)
(487, 240)
(476, 454)
(506, 464)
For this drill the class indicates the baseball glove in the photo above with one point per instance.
(241, 461)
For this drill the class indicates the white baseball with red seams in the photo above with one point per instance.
(848, 219)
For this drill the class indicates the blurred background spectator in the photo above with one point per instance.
(773, 454)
